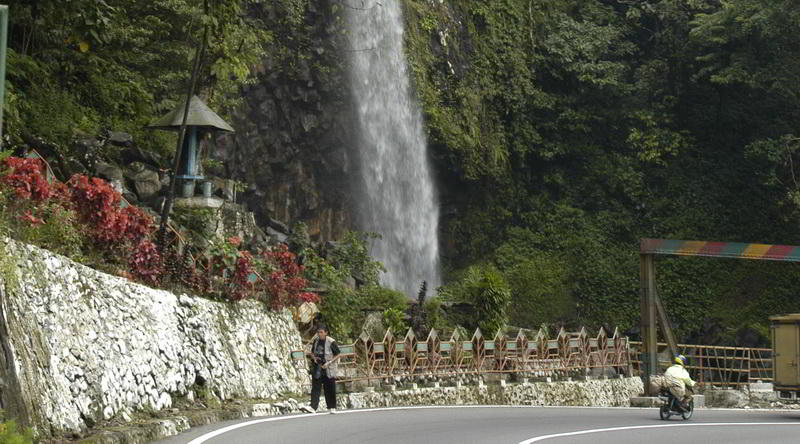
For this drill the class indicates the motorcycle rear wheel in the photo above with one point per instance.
(688, 414)
(664, 412)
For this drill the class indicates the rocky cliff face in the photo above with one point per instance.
(294, 131)
(80, 346)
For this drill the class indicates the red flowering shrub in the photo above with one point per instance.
(27, 178)
(236, 274)
(286, 285)
(98, 206)
(242, 283)
(27, 216)
(146, 264)
(91, 206)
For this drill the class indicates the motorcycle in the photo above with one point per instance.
(672, 406)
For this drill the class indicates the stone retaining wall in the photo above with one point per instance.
(80, 346)
(602, 393)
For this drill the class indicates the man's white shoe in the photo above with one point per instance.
(332, 411)
(307, 409)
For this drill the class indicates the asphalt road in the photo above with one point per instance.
(512, 425)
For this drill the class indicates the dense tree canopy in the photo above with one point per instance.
(89, 65)
(565, 131)
(562, 131)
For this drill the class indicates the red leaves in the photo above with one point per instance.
(123, 234)
(241, 276)
(286, 284)
(114, 229)
(146, 264)
(98, 206)
(27, 216)
(308, 297)
(27, 178)
(237, 274)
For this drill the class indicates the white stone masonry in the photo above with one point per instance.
(81, 346)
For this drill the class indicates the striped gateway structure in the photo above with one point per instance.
(734, 250)
(653, 310)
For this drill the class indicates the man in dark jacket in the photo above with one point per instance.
(324, 352)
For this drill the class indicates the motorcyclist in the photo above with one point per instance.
(677, 380)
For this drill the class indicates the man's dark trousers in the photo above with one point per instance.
(329, 384)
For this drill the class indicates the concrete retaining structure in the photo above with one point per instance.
(80, 346)
(614, 392)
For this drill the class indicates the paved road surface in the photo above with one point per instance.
(511, 425)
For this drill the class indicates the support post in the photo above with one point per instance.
(3, 44)
(167, 208)
(666, 325)
(648, 306)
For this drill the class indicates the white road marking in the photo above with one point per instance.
(215, 433)
(617, 429)
(203, 438)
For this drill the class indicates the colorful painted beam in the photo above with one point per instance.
(785, 253)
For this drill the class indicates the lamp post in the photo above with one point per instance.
(3, 43)
(200, 120)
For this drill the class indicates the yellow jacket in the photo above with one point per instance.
(678, 372)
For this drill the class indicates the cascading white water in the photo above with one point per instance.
(397, 198)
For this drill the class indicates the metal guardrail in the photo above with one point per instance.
(532, 354)
(718, 365)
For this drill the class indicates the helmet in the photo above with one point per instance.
(680, 359)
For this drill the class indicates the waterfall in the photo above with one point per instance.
(397, 197)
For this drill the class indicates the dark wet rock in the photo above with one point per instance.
(146, 182)
(109, 172)
(279, 226)
(293, 135)
(136, 154)
(120, 138)
(276, 236)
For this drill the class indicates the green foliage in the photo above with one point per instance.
(12, 433)
(435, 315)
(540, 292)
(343, 308)
(338, 314)
(566, 131)
(396, 320)
(380, 297)
(60, 233)
(750, 43)
(563, 133)
(299, 240)
(485, 288)
(351, 255)
(195, 222)
(119, 64)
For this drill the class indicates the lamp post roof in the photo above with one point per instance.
(199, 115)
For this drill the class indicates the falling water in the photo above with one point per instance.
(397, 191)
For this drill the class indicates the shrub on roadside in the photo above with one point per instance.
(87, 217)
(12, 433)
(485, 288)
